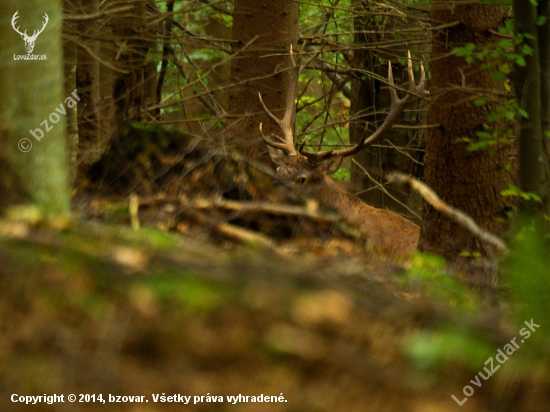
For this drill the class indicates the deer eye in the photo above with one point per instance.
(301, 180)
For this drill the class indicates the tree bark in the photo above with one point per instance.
(532, 86)
(262, 35)
(33, 169)
(468, 180)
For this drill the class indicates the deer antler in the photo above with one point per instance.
(14, 18)
(37, 32)
(287, 145)
(396, 108)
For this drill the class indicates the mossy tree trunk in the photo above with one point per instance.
(34, 170)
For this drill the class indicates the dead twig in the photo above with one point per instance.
(266, 207)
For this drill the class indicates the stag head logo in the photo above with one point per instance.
(29, 40)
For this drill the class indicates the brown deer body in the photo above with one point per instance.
(390, 233)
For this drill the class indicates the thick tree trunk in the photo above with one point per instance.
(33, 156)
(262, 35)
(469, 180)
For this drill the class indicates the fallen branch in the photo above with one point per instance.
(452, 213)
(231, 231)
(266, 207)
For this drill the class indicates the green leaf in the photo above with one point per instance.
(526, 50)
(494, 117)
(484, 135)
(523, 113)
(480, 101)
(505, 44)
(497, 76)
(541, 20)
(514, 191)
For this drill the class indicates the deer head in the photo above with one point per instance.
(29, 40)
(310, 168)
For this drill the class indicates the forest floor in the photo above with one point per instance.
(102, 309)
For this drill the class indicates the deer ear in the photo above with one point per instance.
(276, 155)
(331, 165)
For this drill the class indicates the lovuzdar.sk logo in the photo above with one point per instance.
(29, 40)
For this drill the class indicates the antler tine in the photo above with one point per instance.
(35, 33)
(287, 145)
(397, 107)
(46, 20)
(13, 23)
(285, 124)
(281, 146)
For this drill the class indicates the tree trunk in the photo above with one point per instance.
(33, 156)
(94, 83)
(262, 34)
(532, 85)
(70, 59)
(468, 180)
(135, 89)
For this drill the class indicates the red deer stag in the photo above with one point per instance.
(390, 233)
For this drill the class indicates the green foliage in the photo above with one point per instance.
(324, 18)
(526, 272)
(501, 133)
(514, 191)
(500, 56)
(188, 292)
(428, 272)
(343, 174)
(491, 54)
(430, 349)
(320, 121)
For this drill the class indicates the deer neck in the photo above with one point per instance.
(331, 195)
